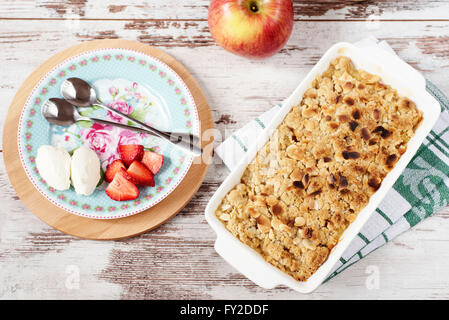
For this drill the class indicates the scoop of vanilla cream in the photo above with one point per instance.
(54, 166)
(85, 170)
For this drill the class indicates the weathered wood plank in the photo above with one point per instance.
(197, 9)
(177, 260)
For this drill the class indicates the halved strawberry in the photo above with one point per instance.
(140, 174)
(130, 152)
(112, 169)
(121, 188)
(153, 161)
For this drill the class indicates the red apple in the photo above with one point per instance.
(251, 28)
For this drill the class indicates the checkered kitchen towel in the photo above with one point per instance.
(421, 190)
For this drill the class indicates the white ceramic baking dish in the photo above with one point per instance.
(393, 71)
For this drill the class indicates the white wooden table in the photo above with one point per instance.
(178, 260)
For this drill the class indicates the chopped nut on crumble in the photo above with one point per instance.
(320, 168)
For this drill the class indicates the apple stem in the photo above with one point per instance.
(253, 7)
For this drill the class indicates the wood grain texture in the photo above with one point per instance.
(177, 260)
(197, 9)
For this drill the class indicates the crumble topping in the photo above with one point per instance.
(319, 168)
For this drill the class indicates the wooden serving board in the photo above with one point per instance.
(115, 228)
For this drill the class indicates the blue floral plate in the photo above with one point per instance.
(134, 83)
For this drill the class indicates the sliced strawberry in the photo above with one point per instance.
(130, 152)
(140, 174)
(112, 169)
(153, 161)
(121, 188)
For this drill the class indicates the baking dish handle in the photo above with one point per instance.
(393, 62)
(247, 262)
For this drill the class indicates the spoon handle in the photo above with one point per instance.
(185, 141)
(116, 124)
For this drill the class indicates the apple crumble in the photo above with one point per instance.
(319, 168)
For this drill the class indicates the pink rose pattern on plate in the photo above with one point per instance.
(121, 106)
(105, 139)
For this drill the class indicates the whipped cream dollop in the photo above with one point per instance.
(53, 164)
(85, 171)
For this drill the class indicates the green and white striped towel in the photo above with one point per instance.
(421, 190)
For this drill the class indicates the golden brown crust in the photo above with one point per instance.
(319, 169)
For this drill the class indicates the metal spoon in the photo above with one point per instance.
(80, 93)
(63, 113)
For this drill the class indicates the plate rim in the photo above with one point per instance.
(29, 101)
